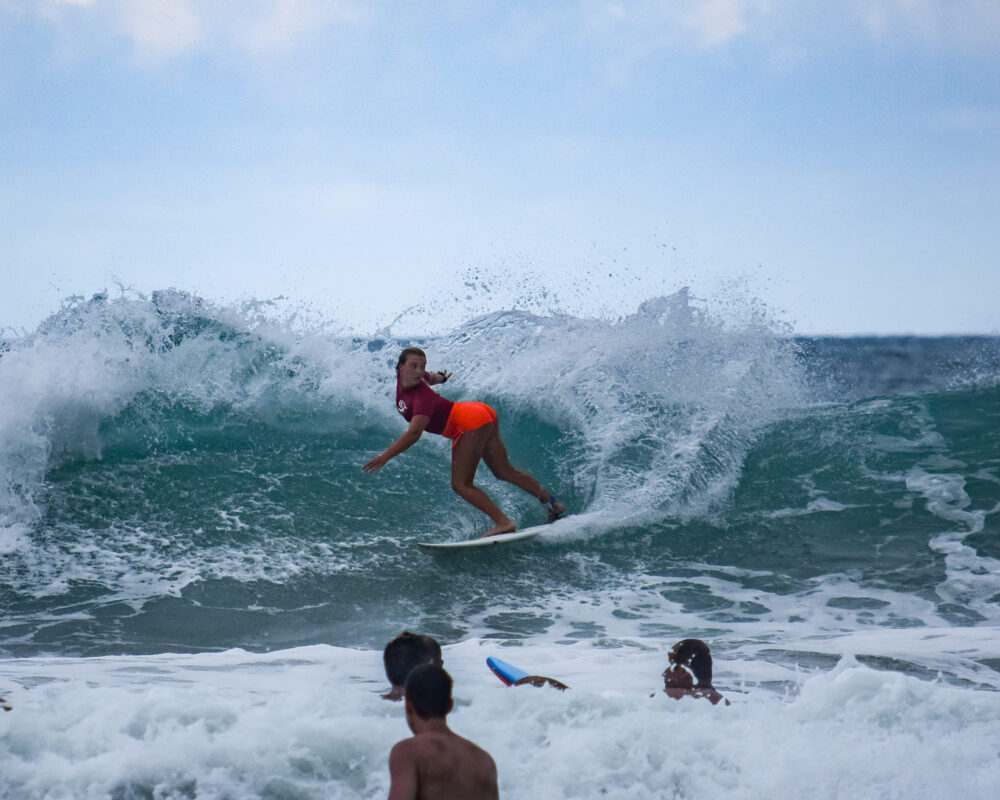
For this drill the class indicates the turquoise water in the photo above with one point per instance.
(185, 480)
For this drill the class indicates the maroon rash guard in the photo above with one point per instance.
(422, 400)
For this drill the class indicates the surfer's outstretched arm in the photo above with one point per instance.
(434, 378)
(404, 442)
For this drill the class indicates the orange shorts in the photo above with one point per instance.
(467, 417)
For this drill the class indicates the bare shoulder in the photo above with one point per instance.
(434, 743)
(485, 766)
(405, 756)
(404, 748)
(485, 758)
(452, 766)
(404, 771)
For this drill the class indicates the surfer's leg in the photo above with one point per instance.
(466, 454)
(495, 456)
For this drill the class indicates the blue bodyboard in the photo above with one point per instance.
(507, 673)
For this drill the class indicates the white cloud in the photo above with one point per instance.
(163, 29)
(718, 22)
(660, 22)
(654, 24)
(628, 31)
(281, 24)
(947, 23)
(159, 28)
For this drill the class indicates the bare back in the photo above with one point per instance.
(441, 765)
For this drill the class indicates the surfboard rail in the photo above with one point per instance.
(488, 541)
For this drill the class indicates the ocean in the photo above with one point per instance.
(198, 579)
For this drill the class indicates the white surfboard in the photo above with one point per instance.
(488, 541)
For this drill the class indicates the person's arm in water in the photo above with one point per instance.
(404, 442)
(434, 378)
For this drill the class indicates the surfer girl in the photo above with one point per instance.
(475, 434)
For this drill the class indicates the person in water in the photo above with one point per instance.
(475, 433)
(540, 680)
(690, 673)
(403, 655)
(436, 763)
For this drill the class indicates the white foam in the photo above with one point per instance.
(13, 537)
(972, 580)
(309, 723)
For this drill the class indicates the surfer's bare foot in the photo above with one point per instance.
(496, 530)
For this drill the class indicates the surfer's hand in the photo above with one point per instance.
(375, 464)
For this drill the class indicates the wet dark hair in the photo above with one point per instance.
(409, 351)
(428, 690)
(407, 651)
(695, 655)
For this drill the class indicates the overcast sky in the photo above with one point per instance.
(838, 161)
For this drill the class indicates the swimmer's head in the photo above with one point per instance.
(407, 652)
(428, 692)
(409, 351)
(694, 656)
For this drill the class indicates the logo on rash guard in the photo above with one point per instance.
(401, 405)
